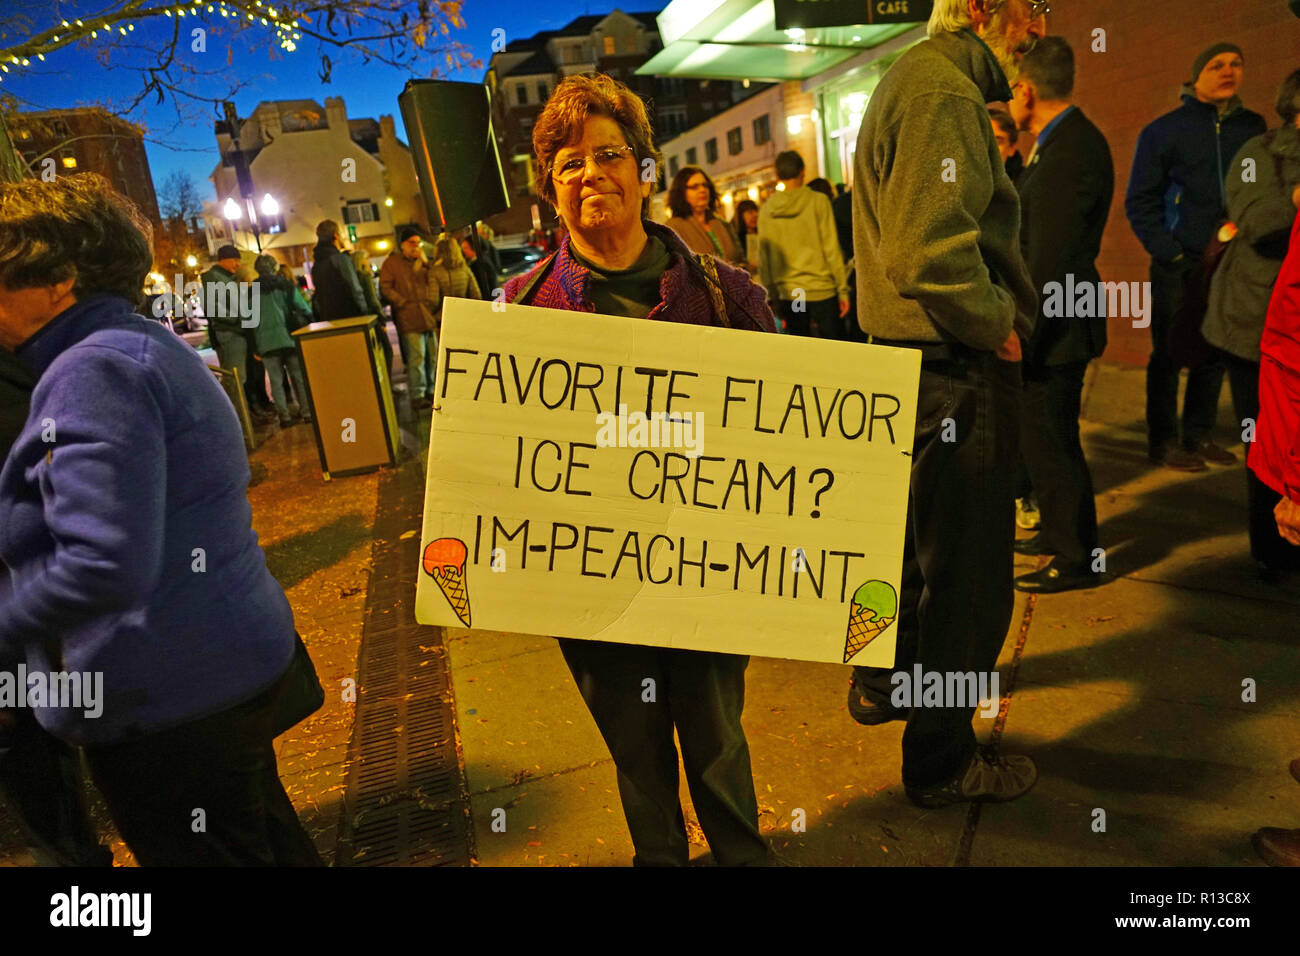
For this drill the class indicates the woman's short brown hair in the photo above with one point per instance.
(75, 227)
(575, 100)
(677, 193)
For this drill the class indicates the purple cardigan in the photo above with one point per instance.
(683, 297)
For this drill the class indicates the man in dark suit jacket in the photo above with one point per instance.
(1065, 193)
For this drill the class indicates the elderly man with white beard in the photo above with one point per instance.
(936, 236)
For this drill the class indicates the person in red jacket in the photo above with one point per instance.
(1275, 458)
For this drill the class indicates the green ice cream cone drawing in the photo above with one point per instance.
(873, 608)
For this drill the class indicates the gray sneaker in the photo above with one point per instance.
(990, 777)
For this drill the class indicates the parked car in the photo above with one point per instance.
(516, 260)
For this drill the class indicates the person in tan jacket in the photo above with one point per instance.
(406, 281)
(452, 275)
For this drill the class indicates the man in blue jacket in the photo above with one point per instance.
(1174, 202)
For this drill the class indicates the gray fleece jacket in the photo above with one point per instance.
(936, 220)
(1262, 211)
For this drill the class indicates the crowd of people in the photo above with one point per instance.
(408, 291)
(198, 684)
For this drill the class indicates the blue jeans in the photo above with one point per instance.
(232, 351)
(421, 356)
(275, 364)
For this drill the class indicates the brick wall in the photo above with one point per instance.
(1150, 47)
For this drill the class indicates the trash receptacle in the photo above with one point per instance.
(351, 396)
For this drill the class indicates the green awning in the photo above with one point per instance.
(738, 39)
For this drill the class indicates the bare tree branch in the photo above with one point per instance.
(398, 33)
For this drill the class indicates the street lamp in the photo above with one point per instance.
(191, 261)
(270, 209)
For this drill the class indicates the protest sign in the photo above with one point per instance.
(663, 484)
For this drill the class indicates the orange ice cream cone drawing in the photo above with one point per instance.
(873, 608)
(444, 561)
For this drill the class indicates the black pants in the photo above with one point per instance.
(1050, 447)
(817, 318)
(1024, 486)
(41, 778)
(702, 695)
(224, 766)
(255, 383)
(1266, 545)
(956, 597)
(1201, 400)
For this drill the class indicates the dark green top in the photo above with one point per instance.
(632, 292)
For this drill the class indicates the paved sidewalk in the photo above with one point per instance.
(1129, 697)
(317, 536)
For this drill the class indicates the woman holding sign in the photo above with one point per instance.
(594, 142)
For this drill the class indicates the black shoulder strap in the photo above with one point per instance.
(530, 286)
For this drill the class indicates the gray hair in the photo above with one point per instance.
(75, 227)
(949, 16)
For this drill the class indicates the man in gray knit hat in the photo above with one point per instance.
(1174, 202)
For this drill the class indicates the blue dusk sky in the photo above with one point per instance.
(75, 76)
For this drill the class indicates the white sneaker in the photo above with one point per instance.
(1027, 515)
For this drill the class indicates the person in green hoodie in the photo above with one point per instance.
(277, 348)
(799, 259)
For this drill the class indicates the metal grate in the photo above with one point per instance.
(406, 803)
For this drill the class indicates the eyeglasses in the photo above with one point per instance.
(572, 169)
(1038, 8)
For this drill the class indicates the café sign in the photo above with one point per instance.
(809, 14)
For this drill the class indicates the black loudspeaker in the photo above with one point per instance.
(449, 126)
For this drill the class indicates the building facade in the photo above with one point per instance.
(315, 164)
(89, 140)
(738, 147)
(1130, 64)
(521, 77)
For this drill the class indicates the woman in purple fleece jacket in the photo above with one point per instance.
(593, 141)
(124, 519)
